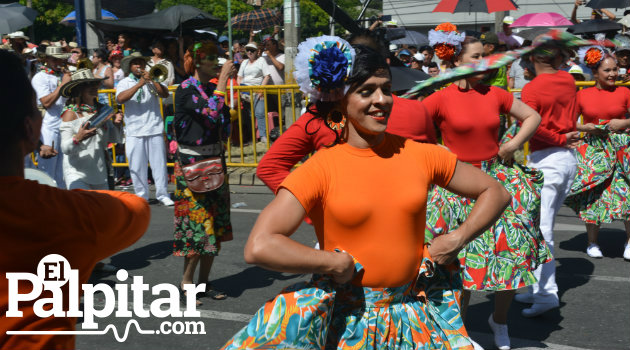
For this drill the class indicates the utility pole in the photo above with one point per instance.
(291, 38)
(79, 11)
(291, 28)
(331, 22)
(498, 21)
(92, 11)
(31, 31)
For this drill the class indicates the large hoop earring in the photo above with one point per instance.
(336, 120)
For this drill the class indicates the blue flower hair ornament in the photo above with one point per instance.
(322, 67)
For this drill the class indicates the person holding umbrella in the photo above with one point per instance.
(595, 14)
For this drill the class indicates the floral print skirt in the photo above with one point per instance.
(506, 255)
(601, 191)
(424, 314)
(202, 220)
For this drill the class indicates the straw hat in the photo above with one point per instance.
(126, 61)
(17, 35)
(57, 52)
(80, 77)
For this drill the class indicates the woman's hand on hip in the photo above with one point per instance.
(444, 248)
(342, 266)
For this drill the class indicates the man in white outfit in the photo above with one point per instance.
(47, 85)
(552, 94)
(144, 127)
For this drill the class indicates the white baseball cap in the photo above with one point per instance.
(418, 57)
(508, 19)
(575, 69)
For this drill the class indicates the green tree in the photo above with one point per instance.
(313, 20)
(217, 8)
(46, 25)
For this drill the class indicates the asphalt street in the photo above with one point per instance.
(594, 312)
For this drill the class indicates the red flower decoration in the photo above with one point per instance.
(592, 56)
(444, 51)
(447, 27)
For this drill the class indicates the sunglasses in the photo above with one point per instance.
(251, 50)
(75, 51)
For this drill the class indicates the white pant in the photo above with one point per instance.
(53, 166)
(142, 150)
(559, 166)
(82, 185)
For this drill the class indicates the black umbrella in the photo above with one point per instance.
(608, 4)
(531, 34)
(14, 17)
(404, 78)
(412, 38)
(174, 18)
(594, 26)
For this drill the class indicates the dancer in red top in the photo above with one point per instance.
(308, 134)
(600, 192)
(504, 258)
(552, 94)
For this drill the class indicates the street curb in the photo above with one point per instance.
(243, 176)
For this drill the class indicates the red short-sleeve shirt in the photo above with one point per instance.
(469, 119)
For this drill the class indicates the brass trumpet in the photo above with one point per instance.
(158, 73)
(85, 63)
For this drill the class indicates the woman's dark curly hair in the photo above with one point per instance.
(367, 63)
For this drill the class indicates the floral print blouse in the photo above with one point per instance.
(201, 117)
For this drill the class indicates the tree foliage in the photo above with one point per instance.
(217, 8)
(49, 13)
(313, 20)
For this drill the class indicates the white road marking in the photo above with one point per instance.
(484, 339)
(253, 211)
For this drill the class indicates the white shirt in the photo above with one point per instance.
(253, 73)
(118, 76)
(44, 84)
(170, 77)
(141, 118)
(277, 77)
(86, 160)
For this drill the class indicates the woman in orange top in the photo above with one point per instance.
(367, 198)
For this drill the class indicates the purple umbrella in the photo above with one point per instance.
(542, 19)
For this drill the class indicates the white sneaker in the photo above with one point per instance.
(501, 337)
(525, 298)
(538, 309)
(475, 345)
(167, 202)
(626, 251)
(594, 252)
